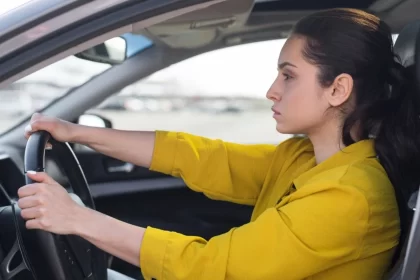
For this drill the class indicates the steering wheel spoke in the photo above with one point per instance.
(6, 271)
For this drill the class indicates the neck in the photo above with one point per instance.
(326, 143)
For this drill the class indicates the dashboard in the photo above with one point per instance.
(12, 173)
(11, 179)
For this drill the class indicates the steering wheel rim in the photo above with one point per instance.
(48, 255)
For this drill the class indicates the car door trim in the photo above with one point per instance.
(107, 189)
(32, 13)
(55, 24)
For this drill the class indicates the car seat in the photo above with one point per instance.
(407, 266)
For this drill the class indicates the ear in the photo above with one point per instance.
(340, 90)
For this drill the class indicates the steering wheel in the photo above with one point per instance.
(51, 256)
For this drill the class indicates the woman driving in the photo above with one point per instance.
(325, 205)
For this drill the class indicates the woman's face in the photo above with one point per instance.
(299, 104)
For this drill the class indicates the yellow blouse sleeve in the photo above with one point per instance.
(302, 238)
(221, 170)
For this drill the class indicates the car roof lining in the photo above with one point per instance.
(252, 22)
(290, 5)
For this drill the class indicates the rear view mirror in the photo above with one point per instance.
(112, 51)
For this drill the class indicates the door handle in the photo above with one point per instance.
(123, 168)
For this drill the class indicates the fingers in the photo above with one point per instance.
(30, 201)
(33, 204)
(44, 183)
(38, 224)
(32, 224)
(46, 205)
(29, 129)
(28, 132)
(40, 177)
(36, 116)
(39, 122)
(28, 190)
(32, 213)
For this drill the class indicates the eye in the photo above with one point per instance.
(286, 76)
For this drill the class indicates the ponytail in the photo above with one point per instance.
(394, 123)
(397, 141)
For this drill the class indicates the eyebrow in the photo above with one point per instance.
(284, 64)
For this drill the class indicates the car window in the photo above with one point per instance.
(219, 94)
(34, 92)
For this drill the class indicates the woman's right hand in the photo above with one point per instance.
(60, 130)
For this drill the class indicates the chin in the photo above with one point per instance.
(287, 130)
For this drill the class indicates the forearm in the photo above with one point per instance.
(111, 235)
(129, 146)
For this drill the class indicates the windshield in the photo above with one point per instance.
(21, 99)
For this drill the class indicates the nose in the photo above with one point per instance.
(274, 92)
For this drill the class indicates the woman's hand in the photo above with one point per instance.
(46, 205)
(60, 130)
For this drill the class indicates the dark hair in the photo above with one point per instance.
(386, 105)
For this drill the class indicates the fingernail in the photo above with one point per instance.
(31, 172)
(28, 128)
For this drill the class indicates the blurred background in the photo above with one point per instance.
(219, 94)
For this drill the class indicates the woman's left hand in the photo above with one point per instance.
(47, 205)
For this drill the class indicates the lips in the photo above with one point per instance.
(275, 111)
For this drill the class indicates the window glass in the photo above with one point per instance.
(34, 92)
(219, 94)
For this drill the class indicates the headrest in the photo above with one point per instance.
(405, 46)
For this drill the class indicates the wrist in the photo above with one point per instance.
(83, 218)
(75, 133)
(80, 133)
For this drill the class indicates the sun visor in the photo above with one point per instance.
(182, 31)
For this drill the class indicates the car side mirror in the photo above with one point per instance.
(94, 120)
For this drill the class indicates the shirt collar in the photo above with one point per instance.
(352, 153)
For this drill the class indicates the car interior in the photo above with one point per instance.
(407, 48)
(131, 193)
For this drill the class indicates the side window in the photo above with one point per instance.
(219, 94)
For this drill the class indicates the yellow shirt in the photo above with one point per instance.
(337, 220)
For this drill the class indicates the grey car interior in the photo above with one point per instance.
(238, 22)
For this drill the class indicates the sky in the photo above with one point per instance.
(7, 5)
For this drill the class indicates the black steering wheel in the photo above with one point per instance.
(51, 256)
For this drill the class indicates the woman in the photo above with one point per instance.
(325, 205)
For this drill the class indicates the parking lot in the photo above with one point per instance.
(245, 127)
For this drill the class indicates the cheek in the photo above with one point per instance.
(303, 103)
(299, 96)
